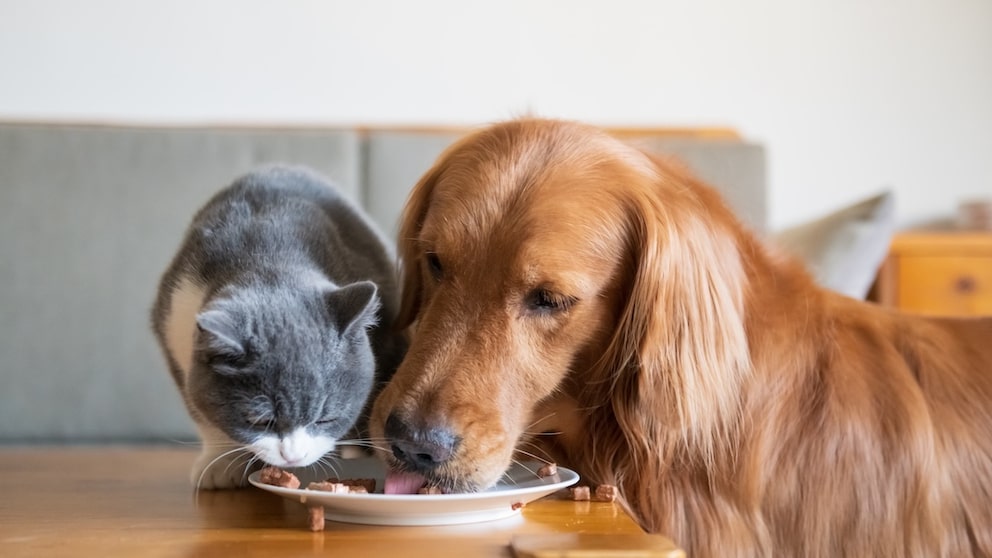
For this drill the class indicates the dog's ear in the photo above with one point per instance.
(411, 221)
(681, 348)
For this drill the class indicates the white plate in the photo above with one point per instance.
(520, 485)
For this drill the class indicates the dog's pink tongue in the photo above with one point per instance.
(402, 482)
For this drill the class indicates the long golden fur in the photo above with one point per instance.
(559, 281)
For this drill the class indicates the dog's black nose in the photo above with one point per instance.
(421, 449)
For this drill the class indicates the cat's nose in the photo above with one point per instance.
(421, 449)
(294, 448)
(293, 456)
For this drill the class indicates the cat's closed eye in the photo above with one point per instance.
(328, 421)
(257, 420)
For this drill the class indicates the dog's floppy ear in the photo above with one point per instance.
(411, 221)
(681, 348)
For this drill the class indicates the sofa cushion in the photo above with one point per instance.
(845, 248)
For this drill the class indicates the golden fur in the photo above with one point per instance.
(558, 280)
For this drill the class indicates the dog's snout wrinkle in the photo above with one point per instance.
(422, 449)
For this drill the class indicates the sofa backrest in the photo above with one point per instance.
(91, 215)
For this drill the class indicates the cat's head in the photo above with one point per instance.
(285, 371)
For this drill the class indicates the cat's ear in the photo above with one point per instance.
(219, 338)
(353, 306)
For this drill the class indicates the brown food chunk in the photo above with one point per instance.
(277, 477)
(517, 505)
(367, 484)
(549, 470)
(606, 493)
(325, 486)
(315, 518)
(580, 493)
(430, 490)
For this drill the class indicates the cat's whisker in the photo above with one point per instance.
(321, 464)
(536, 421)
(378, 448)
(251, 461)
(369, 445)
(199, 480)
(525, 467)
(556, 433)
(547, 459)
(370, 440)
(506, 477)
(247, 455)
(219, 445)
(194, 443)
(326, 461)
(323, 467)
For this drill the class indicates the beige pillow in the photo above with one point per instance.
(845, 249)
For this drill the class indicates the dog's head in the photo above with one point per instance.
(545, 259)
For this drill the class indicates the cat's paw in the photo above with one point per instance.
(215, 472)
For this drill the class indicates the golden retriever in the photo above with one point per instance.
(573, 297)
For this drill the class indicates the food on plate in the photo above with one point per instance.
(347, 486)
(327, 486)
(430, 490)
(367, 484)
(548, 470)
(277, 477)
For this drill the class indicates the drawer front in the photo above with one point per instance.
(945, 285)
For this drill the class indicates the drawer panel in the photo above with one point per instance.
(945, 285)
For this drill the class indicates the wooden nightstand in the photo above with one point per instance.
(945, 273)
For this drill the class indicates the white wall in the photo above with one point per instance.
(849, 96)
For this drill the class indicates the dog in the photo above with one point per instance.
(573, 298)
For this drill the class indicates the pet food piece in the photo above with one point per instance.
(277, 477)
(580, 493)
(606, 493)
(367, 484)
(315, 517)
(326, 486)
(517, 505)
(430, 490)
(549, 470)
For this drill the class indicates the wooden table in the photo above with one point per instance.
(134, 502)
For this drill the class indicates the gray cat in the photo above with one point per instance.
(276, 319)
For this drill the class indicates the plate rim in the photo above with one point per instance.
(562, 482)
(419, 510)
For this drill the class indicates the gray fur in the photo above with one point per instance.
(296, 328)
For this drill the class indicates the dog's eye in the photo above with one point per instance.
(434, 265)
(545, 301)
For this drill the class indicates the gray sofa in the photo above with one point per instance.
(90, 216)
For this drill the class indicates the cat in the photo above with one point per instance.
(276, 320)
